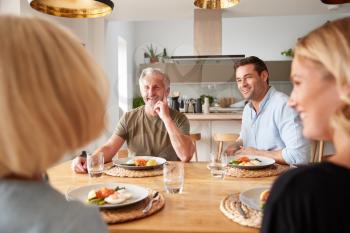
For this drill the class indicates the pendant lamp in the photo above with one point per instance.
(215, 4)
(73, 8)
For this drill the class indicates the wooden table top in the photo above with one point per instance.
(195, 210)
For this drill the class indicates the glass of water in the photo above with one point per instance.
(95, 163)
(173, 175)
(218, 165)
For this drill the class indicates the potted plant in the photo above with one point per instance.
(152, 54)
(288, 53)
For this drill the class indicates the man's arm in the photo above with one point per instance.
(181, 143)
(111, 147)
(234, 147)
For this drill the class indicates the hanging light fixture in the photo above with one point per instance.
(73, 8)
(215, 4)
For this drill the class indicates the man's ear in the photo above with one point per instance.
(264, 75)
(167, 92)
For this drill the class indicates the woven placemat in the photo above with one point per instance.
(132, 212)
(121, 172)
(232, 208)
(273, 170)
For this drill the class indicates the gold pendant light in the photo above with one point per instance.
(215, 4)
(73, 8)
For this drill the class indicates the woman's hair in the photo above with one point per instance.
(155, 71)
(53, 95)
(329, 48)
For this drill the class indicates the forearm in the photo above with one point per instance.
(110, 148)
(181, 143)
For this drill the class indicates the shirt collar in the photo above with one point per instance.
(265, 99)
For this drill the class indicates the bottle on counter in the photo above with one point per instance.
(190, 108)
(205, 106)
(198, 108)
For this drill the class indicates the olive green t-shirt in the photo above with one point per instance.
(147, 135)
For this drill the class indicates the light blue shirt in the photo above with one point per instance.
(275, 127)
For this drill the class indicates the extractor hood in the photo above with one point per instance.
(206, 59)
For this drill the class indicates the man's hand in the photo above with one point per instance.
(233, 148)
(79, 165)
(162, 109)
(248, 150)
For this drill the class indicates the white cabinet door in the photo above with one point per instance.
(206, 145)
(203, 145)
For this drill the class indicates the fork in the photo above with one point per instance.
(240, 209)
(155, 198)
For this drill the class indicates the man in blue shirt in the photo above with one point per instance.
(269, 126)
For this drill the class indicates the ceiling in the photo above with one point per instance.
(131, 10)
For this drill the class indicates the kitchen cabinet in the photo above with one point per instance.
(214, 70)
(208, 128)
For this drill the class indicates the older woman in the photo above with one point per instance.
(51, 103)
(316, 198)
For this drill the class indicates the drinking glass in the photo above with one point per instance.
(95, 163)
(218, 165)
(173, 176)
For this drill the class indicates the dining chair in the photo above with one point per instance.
(220, 138)
(195, 137)
(317, 149)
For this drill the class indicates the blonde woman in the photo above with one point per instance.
(316, 198)
(51, 103)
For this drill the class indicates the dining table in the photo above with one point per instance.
(196, 209)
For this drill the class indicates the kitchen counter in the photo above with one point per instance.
(209, 124)
(215, 116)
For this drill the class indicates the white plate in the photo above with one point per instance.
(251, 197)
(138, 193)
(123, 163)
(265, 162)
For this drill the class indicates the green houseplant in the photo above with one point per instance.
(288, 53)
(137, 102)
(152, 54)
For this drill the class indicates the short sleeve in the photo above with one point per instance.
(121, 128)
(183, 124)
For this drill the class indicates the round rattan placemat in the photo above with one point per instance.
(132, 212)
(273, 170)
(232, 208)
(121, 172)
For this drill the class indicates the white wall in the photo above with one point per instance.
(113, 31)
(264, 37)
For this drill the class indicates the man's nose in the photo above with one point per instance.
(151, 91)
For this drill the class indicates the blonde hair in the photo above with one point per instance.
(52, 95)
(329, 48)
(155, 71)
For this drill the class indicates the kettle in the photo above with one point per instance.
(174, 103)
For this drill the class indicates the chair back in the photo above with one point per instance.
(317, 149)
(195, 137)
(122, 153)
(220, 138)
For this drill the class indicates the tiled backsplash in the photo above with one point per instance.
(220, 90)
